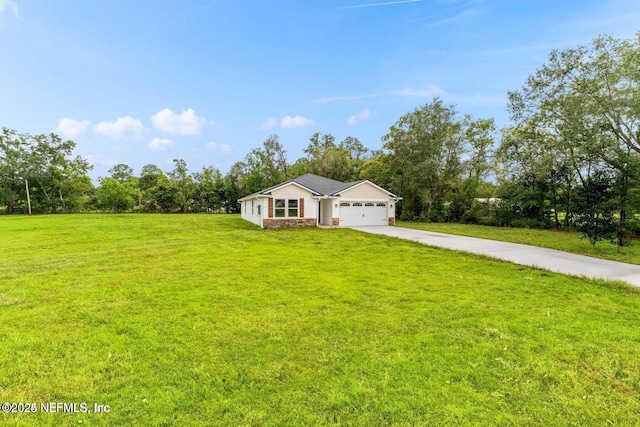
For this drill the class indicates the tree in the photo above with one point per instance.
(13, 168)
(73, 183)
(480, 140)
(55, 178)
(277, 155)
(121, 172)
(209, 189)
(327, 159)
(318, 152)
(300, 167)
(341, 162)
(524, 202)
(538, 164)
(378, 169)
(183, 183)
(358, 156)
(425, 154)
(265, 166)
(114, 196)
(480, 135)
(166, 196)
(588, 98)
(595, 208)
(151, 178)
(234, 187)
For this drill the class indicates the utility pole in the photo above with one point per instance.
(26, 184)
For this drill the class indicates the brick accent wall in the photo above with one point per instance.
(335, 221)
(289, 222)
(392, 221)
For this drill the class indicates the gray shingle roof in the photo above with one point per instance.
(319, 185)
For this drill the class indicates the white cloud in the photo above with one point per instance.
(429, 92)
(387, 3)
(223, 149)
(125, 127)
(70, 128)
(345, 98)
(270, 123)
(160, 144)
(360, 117)
(187, 123)
(7, 7)
(287, 122)
(295, 122)
(455, 18)
(433, 91)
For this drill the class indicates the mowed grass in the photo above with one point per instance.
(552, 239)
(196, 320)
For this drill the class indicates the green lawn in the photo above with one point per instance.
(204, 320)
(553, 239)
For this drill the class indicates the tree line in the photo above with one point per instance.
(39, 173)
(568, 160)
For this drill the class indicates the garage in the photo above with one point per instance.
(363, 213)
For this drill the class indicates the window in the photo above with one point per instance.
(293, 208)
(259, 210)
(286, 208)
(357, 204)
(280, 208)
(344, 204)
(252, 208)
(369, 205)
(381, 205)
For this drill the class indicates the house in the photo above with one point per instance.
(311, 200)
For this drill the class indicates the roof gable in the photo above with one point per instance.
(363, 182)
(291, 187)
(318, 185)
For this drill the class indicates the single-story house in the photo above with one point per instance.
(311, 200)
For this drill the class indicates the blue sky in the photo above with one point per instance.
(141, 82)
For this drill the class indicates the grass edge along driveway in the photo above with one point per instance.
(527, 255)
(566, 241)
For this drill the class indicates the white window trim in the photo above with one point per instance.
(286, 208)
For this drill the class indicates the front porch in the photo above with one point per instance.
(326, 209)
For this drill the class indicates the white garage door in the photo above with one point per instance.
(360, 213)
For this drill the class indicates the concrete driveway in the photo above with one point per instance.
(533, 256)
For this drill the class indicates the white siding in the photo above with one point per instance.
(250, 211)
(327, 211)
(392, 208)
(364, 192)
(290, 191)
(293, 191)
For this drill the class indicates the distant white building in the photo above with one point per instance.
(490, 200)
